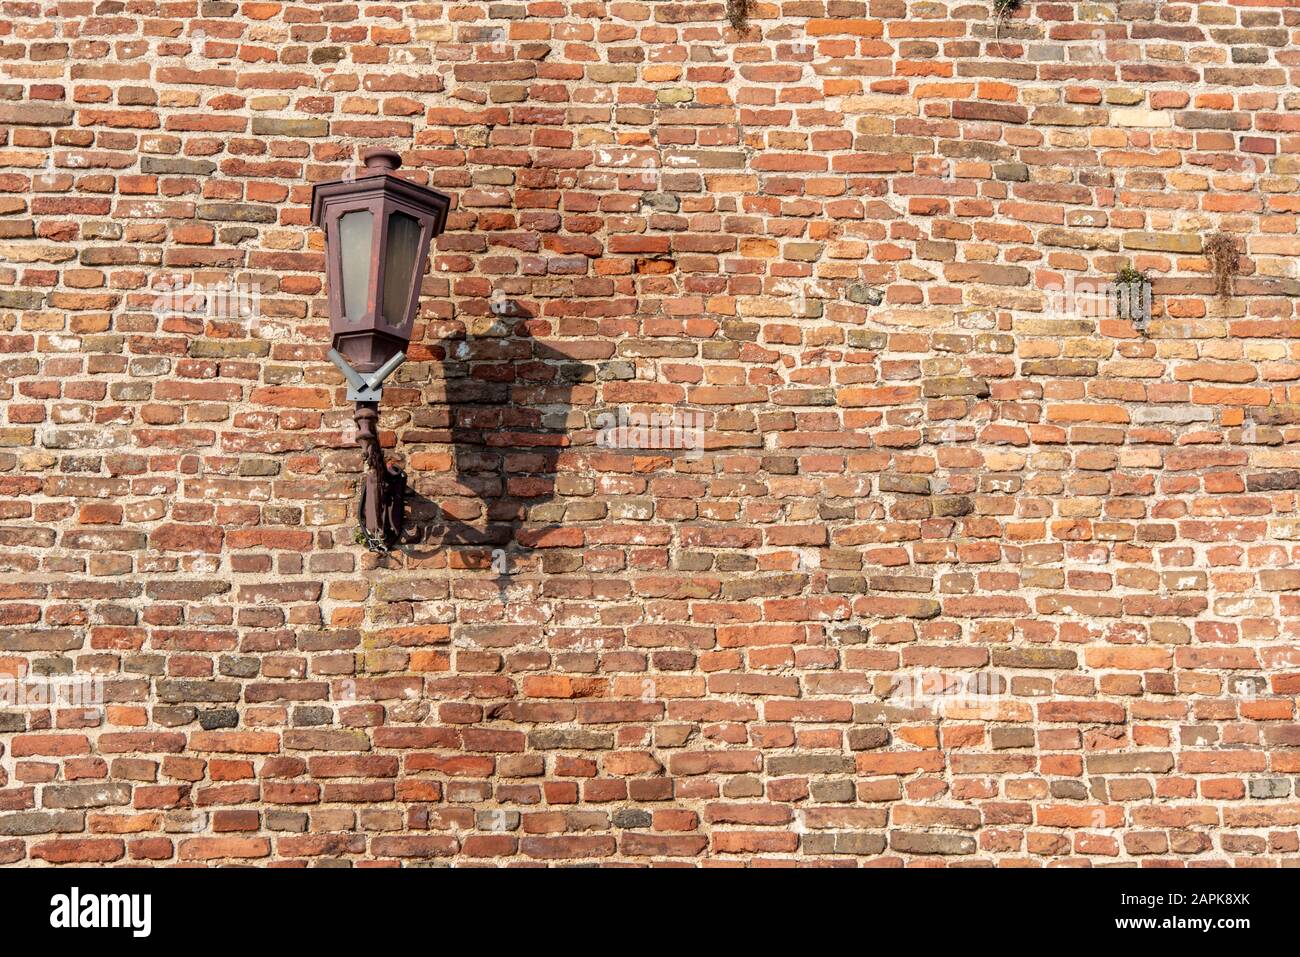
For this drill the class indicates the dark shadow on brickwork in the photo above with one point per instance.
(483, 450)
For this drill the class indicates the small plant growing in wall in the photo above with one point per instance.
(738, 14)
(1225, 262)
(1133, 297)
(1002, 11)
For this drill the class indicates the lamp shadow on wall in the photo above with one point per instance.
(483, 452)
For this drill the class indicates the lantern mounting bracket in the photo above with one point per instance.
(366, 386)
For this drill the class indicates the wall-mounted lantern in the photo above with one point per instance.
(378, 227)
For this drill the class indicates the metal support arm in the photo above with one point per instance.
(366, 386)
(383, 492)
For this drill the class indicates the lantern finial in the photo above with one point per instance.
(380, 160)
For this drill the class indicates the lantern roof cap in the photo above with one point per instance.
(379, 178)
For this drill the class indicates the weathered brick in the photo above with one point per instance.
(956, 573)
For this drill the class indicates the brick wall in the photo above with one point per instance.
(965, 573)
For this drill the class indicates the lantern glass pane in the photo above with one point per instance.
(356, 236)
(399, 266)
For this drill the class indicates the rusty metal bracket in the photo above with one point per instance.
(382, 506)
